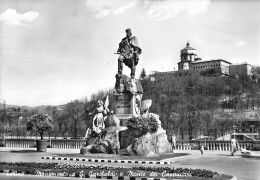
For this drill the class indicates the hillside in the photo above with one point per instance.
(190, 104)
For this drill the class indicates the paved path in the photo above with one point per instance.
(219, 161)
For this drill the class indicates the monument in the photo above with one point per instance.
(129, 51)
(128, 91)
(128, 128)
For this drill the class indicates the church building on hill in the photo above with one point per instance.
(190, 62)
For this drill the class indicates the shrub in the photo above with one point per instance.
(143, 124)
(153, 124)
(40, 123)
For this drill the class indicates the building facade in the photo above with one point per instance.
(189, 61)
(188, 55)
(214, 66)
(240, 70)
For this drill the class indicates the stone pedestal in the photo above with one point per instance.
(127, 101)
(126, 106)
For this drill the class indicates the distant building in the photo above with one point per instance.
(240, 70)
(188, 55)
(190, 61)
(219, 66)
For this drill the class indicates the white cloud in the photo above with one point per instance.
(240, 43)
(102, 8)
(122, 9)
(160, 10)
(13, 18)
(155, 9)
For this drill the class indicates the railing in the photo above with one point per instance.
(67, 144)
(23, 143)
(211, 145)
(56, 143)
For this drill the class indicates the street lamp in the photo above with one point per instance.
(252, 126)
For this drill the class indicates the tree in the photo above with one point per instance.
(223, 122)
(143, 74)
(40, 123)
(255, 71)
(206, 122)
(255, 78)
(192, 117)
(75, 110)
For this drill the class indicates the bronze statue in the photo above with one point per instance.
(129, 51)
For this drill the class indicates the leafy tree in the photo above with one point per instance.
(40, 123)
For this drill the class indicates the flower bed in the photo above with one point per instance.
(91, 170)
(143, 124)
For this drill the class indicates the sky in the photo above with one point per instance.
(56, 51)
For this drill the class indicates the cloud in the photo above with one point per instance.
(103, 8)
(160, 10)
(122, 9)
(13, 18)
(240, 43)
(155, 9)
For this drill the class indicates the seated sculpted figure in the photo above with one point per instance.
(100, 113)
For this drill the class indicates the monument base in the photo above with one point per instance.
(123, 135)
(127, 99)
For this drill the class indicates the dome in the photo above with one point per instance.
(188, 50)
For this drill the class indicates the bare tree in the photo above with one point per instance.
(75, 110)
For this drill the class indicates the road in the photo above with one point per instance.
(219, 161)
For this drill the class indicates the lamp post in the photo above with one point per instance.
(252, 127)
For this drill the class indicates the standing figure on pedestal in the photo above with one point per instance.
(129, 51)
